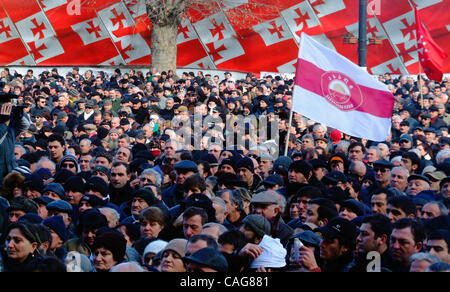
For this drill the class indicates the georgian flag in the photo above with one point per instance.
(431, 56)
(332, 90)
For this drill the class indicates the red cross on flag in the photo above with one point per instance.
(431, 56)
(331, 89)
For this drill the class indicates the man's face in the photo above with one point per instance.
(85, 147)
(379, 204)
(402, 245)
(394, 213)
(269, 211)
(193, 247)
(169, 150)
(119, 177)
(14, 215)
(226, 197)
(416, 186)
(56, 150)
(439, 248)
(372, 155)
(312, 214)
(347, 213)
(366, 241)
(123, 155)
(297, 177)
(102, 161)
(382, 175)
(331, 249)
(245, 174)
(84, 162)
(307, 143)
(137, 205)
(182, 175)
(399, 179)
(430, 210)
(192, 226)
(356, 154)
(445, 190)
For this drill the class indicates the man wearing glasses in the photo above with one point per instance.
(382, 169)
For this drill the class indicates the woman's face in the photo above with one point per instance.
(172, 262)
(18, 247)
(103, 260)
(150, 229)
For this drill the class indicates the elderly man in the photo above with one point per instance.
(399, 178)
(417, 183)
(269, 204)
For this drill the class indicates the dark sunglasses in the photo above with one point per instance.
(379, 169)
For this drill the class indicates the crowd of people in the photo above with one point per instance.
(96, 177)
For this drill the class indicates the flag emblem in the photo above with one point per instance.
(341, 91)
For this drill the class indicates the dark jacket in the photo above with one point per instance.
(173, 195)
(13, 266)
(7, 159)
(120, 196)
(282, 231)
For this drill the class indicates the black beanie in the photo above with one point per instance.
(75, 184)
(102, 132)
(114, 242)
(245, 162)
(301, 166)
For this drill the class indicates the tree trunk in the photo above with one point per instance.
(164, 47)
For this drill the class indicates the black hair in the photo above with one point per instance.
(406, 204)
(327, 209)
(380, 224)
(92, 219)
(235, 238)
(119, 163)
(56, 137)
(47, 265)
(389, 193)
(193, 211)
(354, 144)
(440, 234)
(416, 228)
(194, 181)
(210, 242)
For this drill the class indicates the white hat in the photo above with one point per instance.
(155, 246)
(273, 254)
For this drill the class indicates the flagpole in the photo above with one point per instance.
(420, 81)
(286, 148)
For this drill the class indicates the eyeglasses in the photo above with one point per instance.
(382, 170)
(68, 165)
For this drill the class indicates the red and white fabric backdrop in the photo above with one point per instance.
(114, 32)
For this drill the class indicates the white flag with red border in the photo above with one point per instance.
(331, 89)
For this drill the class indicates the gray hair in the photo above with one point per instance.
(442, 208)
(342, 147)
(22, 149)
(89, 142)
(377, 150)
(235, 198)
(400, 168)
(442, 155)
(45, 159)
(396, 159)
(417, 151)
(128, 267)
(114, 213)
(157, 175)
(219, 201)
(423, 256)
(222, 229)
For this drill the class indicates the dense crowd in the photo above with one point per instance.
(150, 172)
